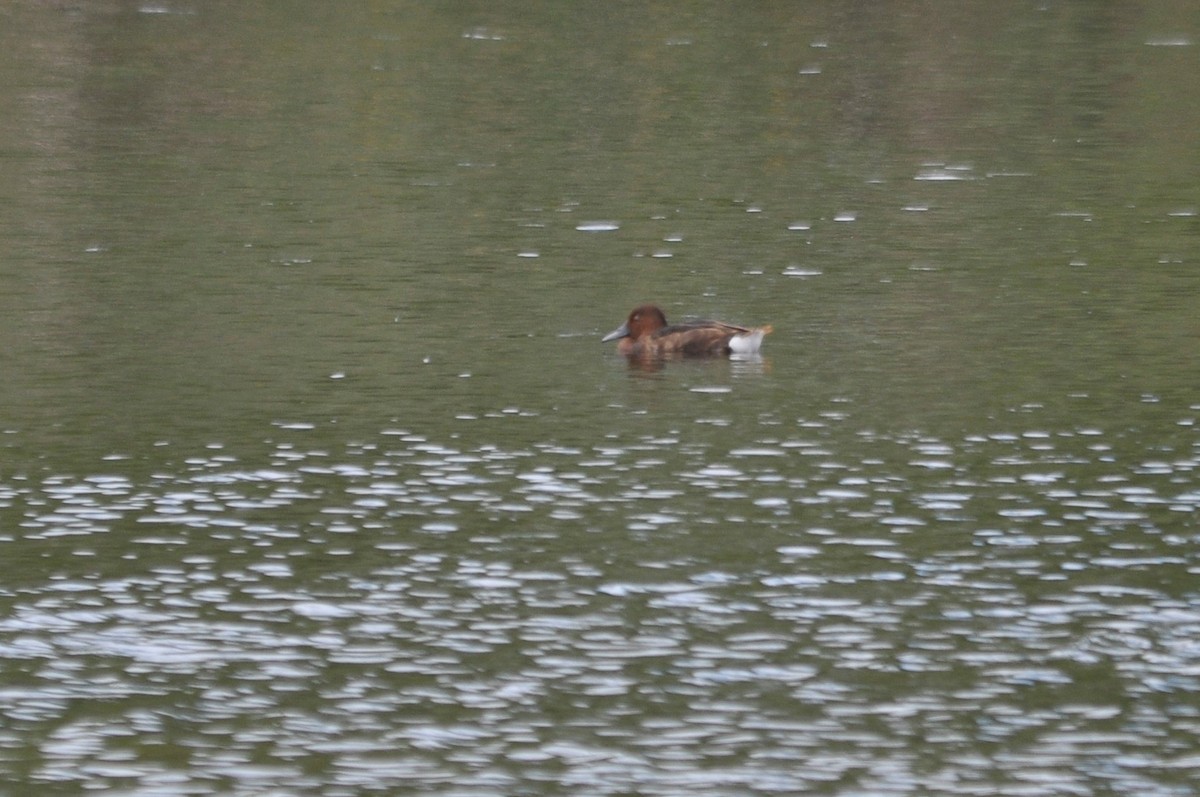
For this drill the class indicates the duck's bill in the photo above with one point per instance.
(620, 332)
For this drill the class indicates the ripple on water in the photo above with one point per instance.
(599, 618)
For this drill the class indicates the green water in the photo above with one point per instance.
(315, 477)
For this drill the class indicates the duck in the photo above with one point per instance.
(646, 334)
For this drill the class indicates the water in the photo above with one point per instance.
(315, 479)
(822, 608)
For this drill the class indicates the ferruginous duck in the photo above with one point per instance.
(646, 333)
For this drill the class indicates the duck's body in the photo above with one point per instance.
(646, 334)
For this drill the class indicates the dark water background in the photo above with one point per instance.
(315, 479)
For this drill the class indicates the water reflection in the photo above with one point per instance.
(894, 611)
(731, 366)
(940, 540)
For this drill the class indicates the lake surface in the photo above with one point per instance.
(316, 479)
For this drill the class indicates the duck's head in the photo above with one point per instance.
(642, 321)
